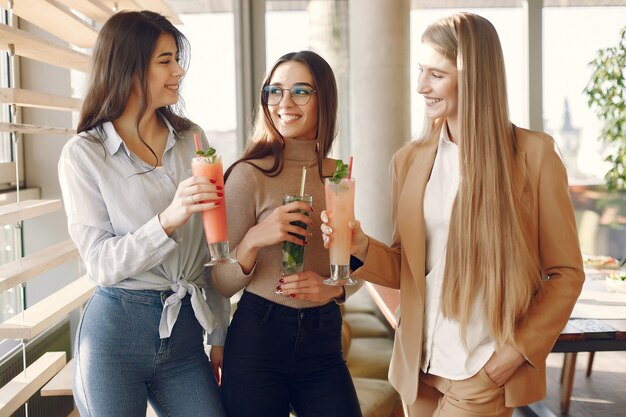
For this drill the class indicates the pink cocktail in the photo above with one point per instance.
(340, 211)
(214, 221)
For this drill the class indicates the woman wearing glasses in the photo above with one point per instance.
(484, 247)
(283, 347)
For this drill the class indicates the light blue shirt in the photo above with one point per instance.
(112, 205)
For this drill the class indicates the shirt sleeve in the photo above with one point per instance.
(108, 258)
(242, 195)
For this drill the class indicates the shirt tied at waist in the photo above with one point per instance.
(171, 308)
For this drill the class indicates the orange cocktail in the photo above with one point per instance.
(340, 211)
(214, 221)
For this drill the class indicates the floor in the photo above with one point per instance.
(603, 394)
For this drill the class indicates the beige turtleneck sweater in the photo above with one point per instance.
(251, 196)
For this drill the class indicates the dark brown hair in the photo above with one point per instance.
(123, 50)
(266, 140)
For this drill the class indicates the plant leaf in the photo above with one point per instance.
(606, 95)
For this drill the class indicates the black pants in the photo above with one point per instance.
(277, 356)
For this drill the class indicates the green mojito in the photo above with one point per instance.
(293, 254)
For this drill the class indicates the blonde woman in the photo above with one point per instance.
(484, 249)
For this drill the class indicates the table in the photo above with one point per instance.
(598, 323)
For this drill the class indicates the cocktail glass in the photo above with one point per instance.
(340, 211)
(293, 254)
(214, 221)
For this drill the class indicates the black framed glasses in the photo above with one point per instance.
(300, 94)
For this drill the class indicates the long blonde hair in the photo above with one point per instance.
(487, 255)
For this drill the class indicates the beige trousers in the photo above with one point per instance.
(477, 396)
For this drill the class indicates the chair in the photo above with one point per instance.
(377, 397)
(360, 302)
(366, 325)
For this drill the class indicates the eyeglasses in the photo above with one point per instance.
(300, 94)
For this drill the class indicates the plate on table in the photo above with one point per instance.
(601, 262)
(616, 281)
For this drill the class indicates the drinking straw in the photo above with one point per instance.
(195, 138)
(302, 181)
(350, 168)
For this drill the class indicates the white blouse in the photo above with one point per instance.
(443, 351)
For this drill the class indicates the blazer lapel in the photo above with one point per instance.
(410, 216)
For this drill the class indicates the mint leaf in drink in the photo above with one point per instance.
(293, 258)
(210, 154)
(341, 171)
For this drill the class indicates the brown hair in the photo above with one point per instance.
(123, 50)
(486, 254)
(266, 140)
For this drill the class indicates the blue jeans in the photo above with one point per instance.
(121, 363)
(276, 357)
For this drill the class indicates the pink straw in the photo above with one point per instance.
(350, 168)
(195, 137)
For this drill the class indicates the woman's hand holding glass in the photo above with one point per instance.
(309, 286)
(360, 242)
(195, 194)
(276, 228)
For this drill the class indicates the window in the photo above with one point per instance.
(209, 89)
(567, 51)
(285, 31)
(322, 27)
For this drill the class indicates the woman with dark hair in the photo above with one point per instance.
(130, 200)
(283, 347)
(484, 251)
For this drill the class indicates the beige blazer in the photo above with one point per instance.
(551, 227)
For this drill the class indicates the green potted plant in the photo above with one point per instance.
(606, 95)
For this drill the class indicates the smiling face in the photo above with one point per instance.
(291, 120)
(164, 73)
(438, 83)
